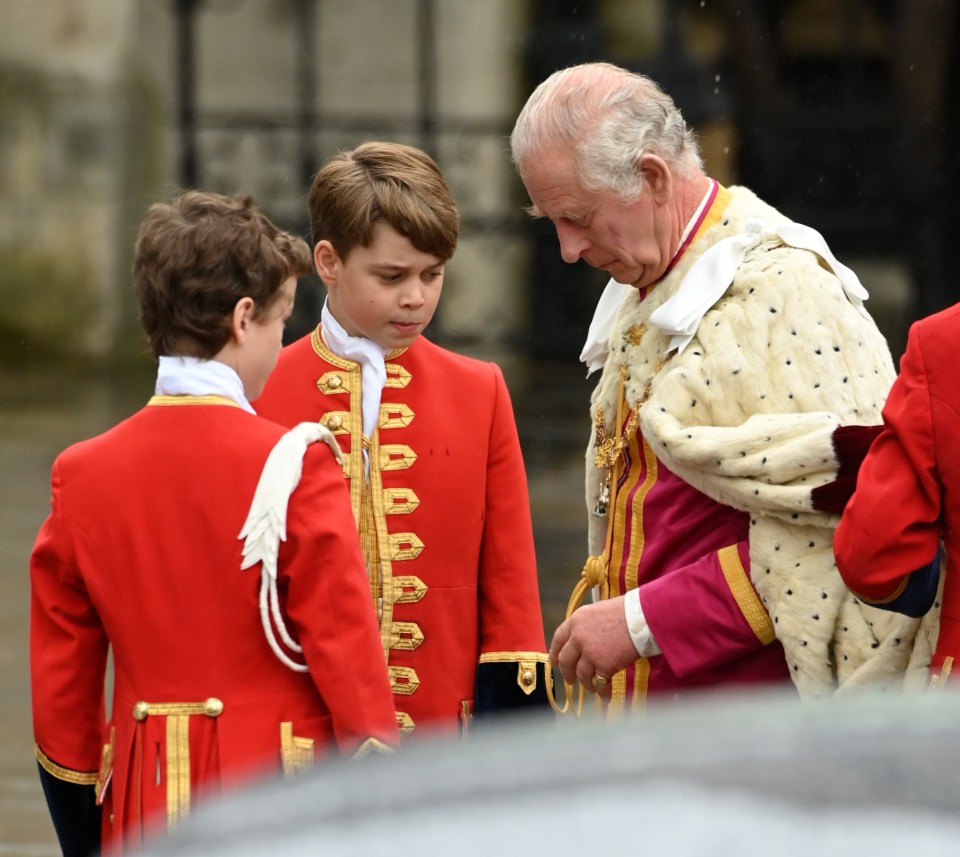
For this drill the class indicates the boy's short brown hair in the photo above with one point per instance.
(199, 254)
(383, 182)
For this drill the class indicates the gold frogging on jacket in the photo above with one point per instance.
(178, 716)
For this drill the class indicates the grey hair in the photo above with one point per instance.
(608, 117)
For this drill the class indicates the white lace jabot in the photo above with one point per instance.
(370, 356)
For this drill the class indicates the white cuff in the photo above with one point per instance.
(637, 626)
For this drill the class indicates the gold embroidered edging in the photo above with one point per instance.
(81, 778)
(178, 768)
(892, 597)
(745, 595)
(507, 657)
(192, 400)
(641, 681)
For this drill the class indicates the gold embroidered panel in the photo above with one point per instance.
(405, 546)
(394, 415)
(403, 589)
(399, 501)
(396, 456)
(406, 636)
(397, 376)
(403, 680)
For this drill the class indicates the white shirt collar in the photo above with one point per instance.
(191, 376)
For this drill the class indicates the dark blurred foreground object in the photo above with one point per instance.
(744, 776)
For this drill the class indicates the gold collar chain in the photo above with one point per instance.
(608, 451)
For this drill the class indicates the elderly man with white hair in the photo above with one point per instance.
(740, 372)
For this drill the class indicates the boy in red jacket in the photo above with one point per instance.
(437, 482)
(232, 658)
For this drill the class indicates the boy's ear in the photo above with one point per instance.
(241, 318)
(325, 257)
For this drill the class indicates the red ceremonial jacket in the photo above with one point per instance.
(140, 554)
(908, 490)
(444, 517)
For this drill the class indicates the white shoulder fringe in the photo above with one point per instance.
(266, 526)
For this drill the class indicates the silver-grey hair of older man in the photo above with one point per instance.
(608, 117)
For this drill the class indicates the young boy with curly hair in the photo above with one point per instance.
(220, 673)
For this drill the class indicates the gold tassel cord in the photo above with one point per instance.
(593, 574)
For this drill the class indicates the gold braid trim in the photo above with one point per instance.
(745, 595)
(80, 778)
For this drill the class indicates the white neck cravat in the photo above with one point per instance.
(191, 376)
(711, 274)
(370, 356)
(594, 352)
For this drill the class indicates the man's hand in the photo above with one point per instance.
(594, 641)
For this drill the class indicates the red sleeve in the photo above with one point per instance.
(707, 613)
(329, 603)
(510, 617)
(891, 526)
(68, 650)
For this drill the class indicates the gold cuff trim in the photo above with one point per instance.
(893, 596)
(507, 657)
(403, 680)
(296, 753)
(80, 778)
(192, 400)
(371, 745)
(746, 596)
